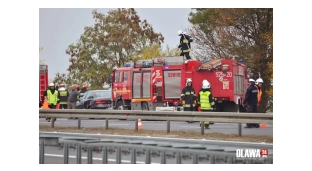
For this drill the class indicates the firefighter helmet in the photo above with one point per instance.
(180, 32)
(188, 80)
(85, 86)
(259, 80)
(251, 80)
(51, 84)
(206, 84)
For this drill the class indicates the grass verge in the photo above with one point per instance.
(162, 133)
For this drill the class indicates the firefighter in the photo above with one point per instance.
(205, 100)
(251, 101)
(51, 95)
(188, 97)
(83, 90)
(185, 45)
(259, 83)
(63, 96)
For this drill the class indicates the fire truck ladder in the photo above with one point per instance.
(160, 61)
(213, 64)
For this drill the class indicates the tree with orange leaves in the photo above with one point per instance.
(237, 33)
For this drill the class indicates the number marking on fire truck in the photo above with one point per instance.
(174, 74)
(220, 74)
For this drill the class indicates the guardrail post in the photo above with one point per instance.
(239, 129)
(66, 153)
(195, 159)
(104, 155)
(202, 127)
(136, 124)
(78, 154)
(148, 156)
(90, 157)
(41, 152)
(79, 123)
(239, 124)
(133, 156)
(212, 159)
(52, 122)
(168, 126)
(118, 155)
(106, 123)
(163, 157)
(178, 158)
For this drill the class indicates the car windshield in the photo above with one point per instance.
(105, 94)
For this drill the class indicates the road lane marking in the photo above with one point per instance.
(95, 158)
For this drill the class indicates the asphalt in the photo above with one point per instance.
(226, 128)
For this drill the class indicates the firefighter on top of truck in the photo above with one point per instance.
(188, 96)
(51, 95)
(185, 45)
(251, 101)
(205, 100)
(63, 96)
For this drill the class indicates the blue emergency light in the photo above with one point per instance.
(166, 67)
(127, 65)
(146, 64)
(240, 61)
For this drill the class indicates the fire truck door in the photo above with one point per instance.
(141, 84)
(146, 84)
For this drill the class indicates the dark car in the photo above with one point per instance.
(95, 99)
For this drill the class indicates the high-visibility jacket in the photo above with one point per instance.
(259, 95)
(205, 100)
(185, 43)
(188, 96)
(63, 96)
(52, 98)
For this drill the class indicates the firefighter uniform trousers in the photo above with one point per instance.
(63, 98)
(205, 104)
(52, 100)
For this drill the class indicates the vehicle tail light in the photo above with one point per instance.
(100, 101)
(154, 88)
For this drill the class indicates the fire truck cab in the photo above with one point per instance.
(156, 84)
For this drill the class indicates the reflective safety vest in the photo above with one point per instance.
(63, 97)
(52, 98)
(204, 100)
(259, 96)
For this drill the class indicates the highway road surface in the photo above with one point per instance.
(226, 128)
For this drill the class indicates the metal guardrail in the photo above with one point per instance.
(212, 151)
(163, 139)
(224, 117)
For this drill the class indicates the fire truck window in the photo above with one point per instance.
(125, 76)
(117, 77)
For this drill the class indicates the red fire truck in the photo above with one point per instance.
(157, 83)
(43, 81)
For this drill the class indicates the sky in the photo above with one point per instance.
(59, 27)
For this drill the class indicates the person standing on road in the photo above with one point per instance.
(72, 97)
(83, 90)
(63, 97)
(205, 100)
(188, 97)
(259, 83)
(251, 101)
(51, 95)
